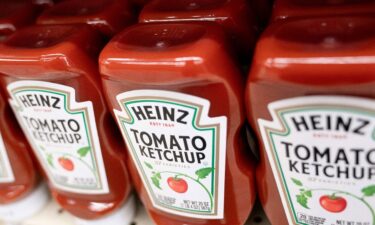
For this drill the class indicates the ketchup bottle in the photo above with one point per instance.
(177, 98)
(284, 9)
(22, 193)
(14, 15)
(53, 85)
(310, 98)
(107, 16)
(235, 16)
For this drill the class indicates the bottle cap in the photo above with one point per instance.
(27, 206)
(123, 216)
(108, 17)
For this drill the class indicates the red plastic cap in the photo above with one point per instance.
(107, 16)
(235, 16)
(326, 48)
(317, 8)
(162, 52)
(48, 47)
(15, 14)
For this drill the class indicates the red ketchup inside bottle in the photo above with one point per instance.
(177, 97)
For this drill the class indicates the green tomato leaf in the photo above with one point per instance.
(369, 191)
(302, 200)
(308, 193)
(156, 181)
(297, 182)
(50, 160)
(158, 175)
(83, 151)
(149, 165)
(204, 172)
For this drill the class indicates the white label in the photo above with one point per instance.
(6, 172)
(322, 153)
(62, 133)
(179, 151)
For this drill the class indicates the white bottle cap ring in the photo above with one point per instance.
(122, 216)
(27, 206)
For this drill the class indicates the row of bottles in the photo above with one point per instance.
(173, 83)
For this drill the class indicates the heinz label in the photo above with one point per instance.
(6, 172)
(322, 153)
(179, 151)
(62, 133)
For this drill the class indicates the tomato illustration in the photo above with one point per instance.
(333, 203)
(178, 185)
(66, 163)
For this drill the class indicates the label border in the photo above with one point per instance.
(83, 108)
(198, 113)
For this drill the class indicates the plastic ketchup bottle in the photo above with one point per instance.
(310, 98)
(177, 98)
(14, 15)
(235, 16)
(54, 87)
(107, 16)
(22, 192)
(285, 9)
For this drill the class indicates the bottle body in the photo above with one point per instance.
(174, 155)
(298, 114)
(20, 182)
(63, 114)
(235, 176)
(22, 173)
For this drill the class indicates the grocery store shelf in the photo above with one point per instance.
(60, 217)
